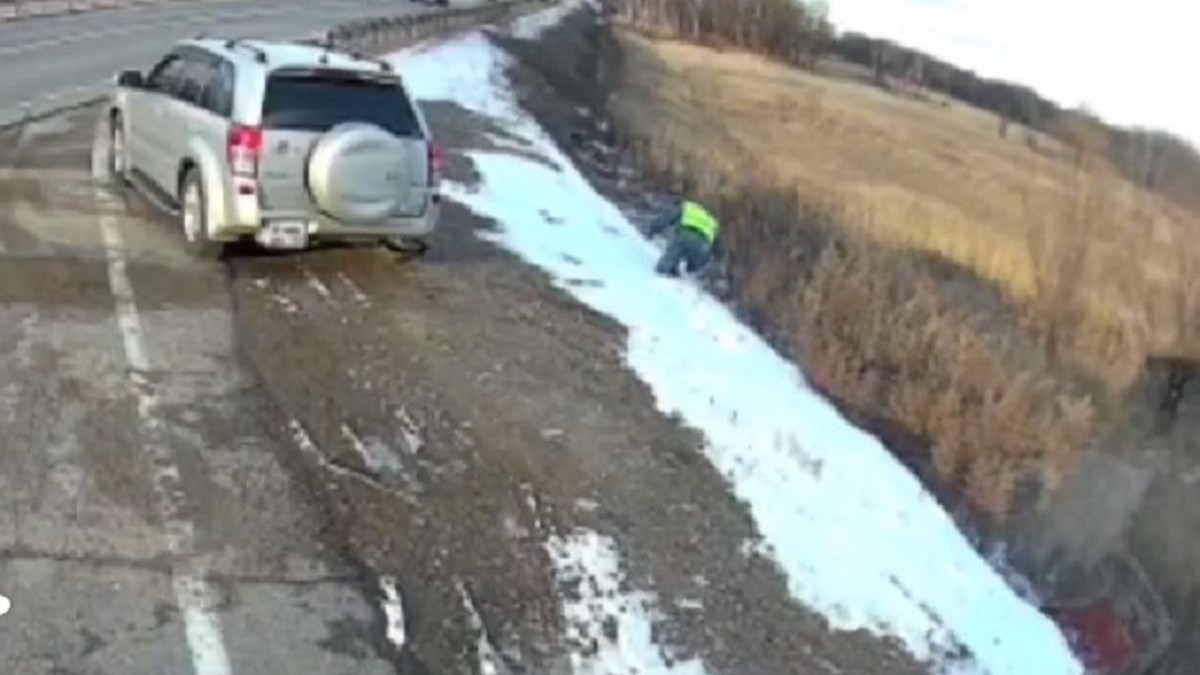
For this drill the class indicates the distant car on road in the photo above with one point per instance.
(286, 143)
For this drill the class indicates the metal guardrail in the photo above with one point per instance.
(384, 34)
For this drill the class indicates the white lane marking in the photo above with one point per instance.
(202, 626)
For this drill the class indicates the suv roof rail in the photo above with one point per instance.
(383, 64)
(259, 54)
(326, 42)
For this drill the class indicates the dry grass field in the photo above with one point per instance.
(993, 299)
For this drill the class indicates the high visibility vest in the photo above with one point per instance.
(699, 219)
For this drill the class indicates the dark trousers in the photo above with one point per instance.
(685, 246)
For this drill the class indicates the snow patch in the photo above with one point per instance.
(410, 432)
(489, 657)
(857, 535)
(610, 629)
(393, 610)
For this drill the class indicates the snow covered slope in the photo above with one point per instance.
(858, 537)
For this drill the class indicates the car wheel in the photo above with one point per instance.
(193, 218)
(118, 154)
(407, 246)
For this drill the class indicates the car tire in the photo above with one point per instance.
(408, 247)
(118, 153)
(193, 218)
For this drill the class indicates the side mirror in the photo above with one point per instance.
(129, 78)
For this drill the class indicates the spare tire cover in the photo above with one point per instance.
(356, 173)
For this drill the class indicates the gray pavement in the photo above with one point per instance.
(56, 60)
(149, 520)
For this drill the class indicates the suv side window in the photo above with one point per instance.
(218, 92)
(196, 73)
(164, 75)
(206, 81)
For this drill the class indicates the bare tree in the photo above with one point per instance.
(881, 58)
(784, 29)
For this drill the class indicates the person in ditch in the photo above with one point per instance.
(693, 240)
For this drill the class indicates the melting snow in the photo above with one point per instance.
(393, 610)
(375, 454)
(611, 629)
(858, 537)
(489, 658)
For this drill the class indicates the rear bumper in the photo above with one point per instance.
(418, 226)
(243, 217)
(327, 229)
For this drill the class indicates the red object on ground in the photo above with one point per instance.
(1100, 636)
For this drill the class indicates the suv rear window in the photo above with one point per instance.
(307, 100)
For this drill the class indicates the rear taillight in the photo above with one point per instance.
(436, 161)
(243, 148)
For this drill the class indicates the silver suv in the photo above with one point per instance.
(283, 142)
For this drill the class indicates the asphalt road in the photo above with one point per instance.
(54, 60)
(149, 521)
(145, 488)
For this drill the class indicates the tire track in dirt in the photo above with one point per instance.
(392, 460)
